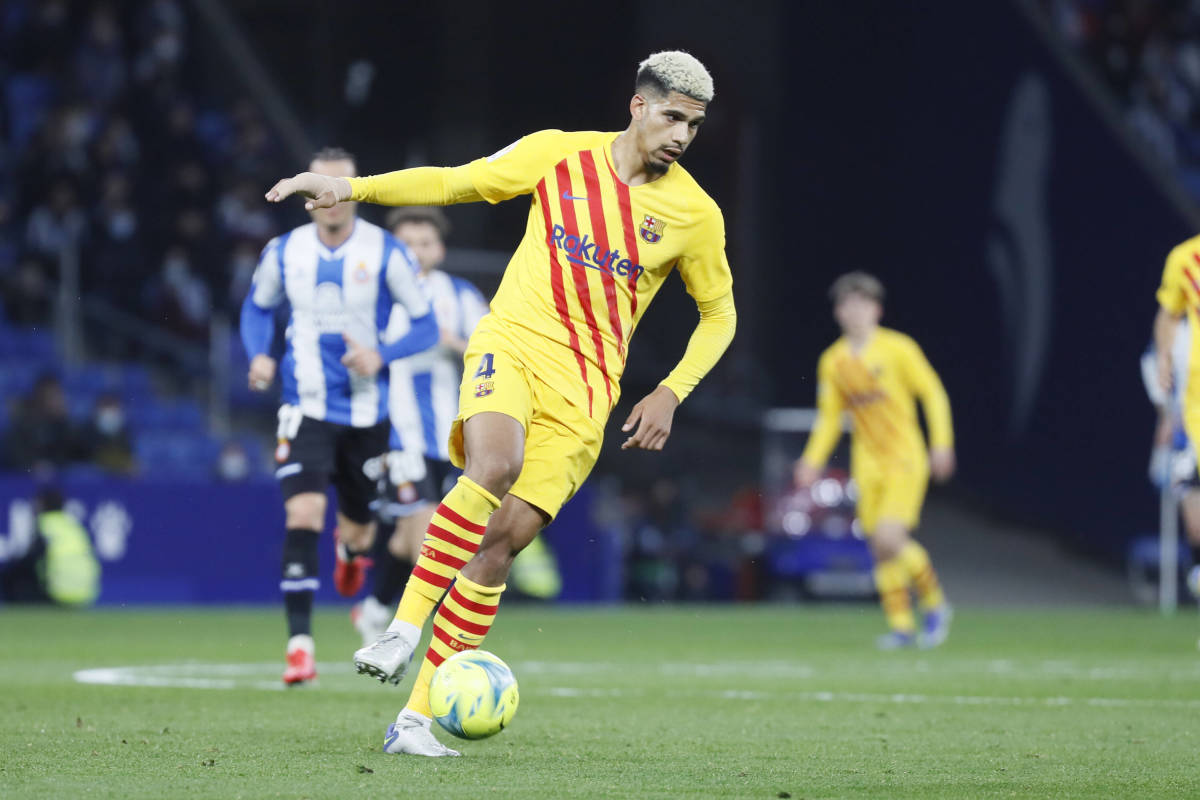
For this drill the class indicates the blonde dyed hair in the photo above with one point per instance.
(676, 71)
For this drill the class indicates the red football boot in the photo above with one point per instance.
(349, 574)
(301, 666)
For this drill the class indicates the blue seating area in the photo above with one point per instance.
(170, 435)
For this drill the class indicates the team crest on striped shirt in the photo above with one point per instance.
(652, 228)
(360, 273)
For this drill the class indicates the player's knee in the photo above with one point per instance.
(358, 536)
(888, 541)
(305, 511)
(496, 472)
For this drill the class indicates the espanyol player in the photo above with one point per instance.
(342, 277)
(423, 401)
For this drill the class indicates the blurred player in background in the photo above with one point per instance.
(612, 215)
(876, 374)
(1173, 457)
(423, 402)
(1179, 295)
(342, 276)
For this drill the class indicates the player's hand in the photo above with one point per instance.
(262, 372)
(942, 463)
(652, 417)
(805, 474)
(360, 360)
(1165, 377)
(323, 191)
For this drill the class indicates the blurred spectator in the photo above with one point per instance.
(28, 293)
(42, 436)
(241, 272)
(117, 145)
(99, 66)
(106, 441)
(179, 297)
(57, 224)
(662, 546)
(9, 248)
(243, 213)
(116, 246)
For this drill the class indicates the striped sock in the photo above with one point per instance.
(461, 623)
(920, 572)
(891, 580)
(453, 537)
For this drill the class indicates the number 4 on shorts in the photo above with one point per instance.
(486, 370)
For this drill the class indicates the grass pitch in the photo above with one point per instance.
(674, 703)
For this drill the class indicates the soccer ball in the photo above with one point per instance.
(473, 694)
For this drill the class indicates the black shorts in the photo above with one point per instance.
(396, 502)
(323, 453)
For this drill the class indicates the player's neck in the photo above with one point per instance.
(628, 162)
(335, 237)
(859, 339)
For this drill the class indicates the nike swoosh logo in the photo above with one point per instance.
(572, 197)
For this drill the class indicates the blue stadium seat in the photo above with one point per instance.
(148, 414)
(179, 456)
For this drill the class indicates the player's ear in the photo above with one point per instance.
(637, 106)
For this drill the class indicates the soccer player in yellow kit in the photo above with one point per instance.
(612, 214)
(876, 374)
(1179, 294)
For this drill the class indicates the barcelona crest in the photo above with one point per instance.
(652, 228)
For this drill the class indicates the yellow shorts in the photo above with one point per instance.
(890, 495)
(562, 442)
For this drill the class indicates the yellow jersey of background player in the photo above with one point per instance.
(1179, 294)
(876, 375)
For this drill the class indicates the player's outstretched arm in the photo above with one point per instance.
(322, 191)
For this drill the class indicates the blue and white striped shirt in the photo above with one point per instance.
(421, 417)
(351, 292)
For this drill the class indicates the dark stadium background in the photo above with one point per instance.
(870, 135)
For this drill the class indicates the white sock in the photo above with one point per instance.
(413, 716)
(410, 632)
(302, 641)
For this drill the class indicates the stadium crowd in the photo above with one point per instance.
(108, 150)
(1148, 54)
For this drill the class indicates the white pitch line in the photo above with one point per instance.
(194, 675)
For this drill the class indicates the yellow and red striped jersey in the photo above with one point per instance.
(1179, 293)
(594, 254)
(878, 386)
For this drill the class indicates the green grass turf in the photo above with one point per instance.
(679, 703)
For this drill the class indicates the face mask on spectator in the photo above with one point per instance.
(233, 465)
(110, 420)
(122, 224)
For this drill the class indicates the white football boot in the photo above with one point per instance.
(387, 658)
(371, 618)
(411, 734)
